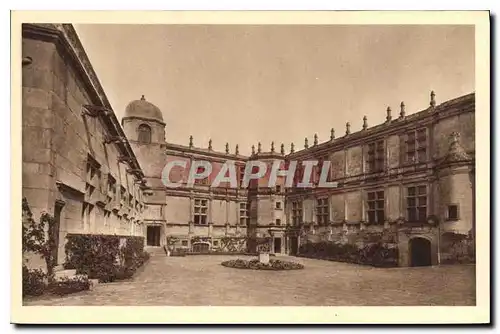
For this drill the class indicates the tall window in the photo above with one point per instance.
(376, 213)
(416, 203)
(296, 213)
(200, 211)
(203, 181)
(241, 174)
(144, 134)
(244, 216)
(87, 212)
(416, 146)
(376, 156)
(111, 189)
(322, 211)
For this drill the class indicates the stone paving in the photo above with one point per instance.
(201, 280)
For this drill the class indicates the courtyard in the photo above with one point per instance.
(201, 281)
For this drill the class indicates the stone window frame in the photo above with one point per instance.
(278, 205)
(376, 209)
(418, 206)
(277, 222)
(376, 156)
(420, 144)
(144, 130)
(111, 187)
(447, 215)
(241, 175)
(244, 211)
(322, 210)
(203, 181)
(184, 243)
(200, 217)
(297, 213)
(87, 215)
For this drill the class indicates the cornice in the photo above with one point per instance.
(460, 105)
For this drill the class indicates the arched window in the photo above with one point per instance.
(144, 132)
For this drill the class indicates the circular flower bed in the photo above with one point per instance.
(254, 264)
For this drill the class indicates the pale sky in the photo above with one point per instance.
(244, 84)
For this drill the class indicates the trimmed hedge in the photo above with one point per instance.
(103, 257)
(376, 254)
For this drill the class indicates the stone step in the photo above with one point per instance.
(155, 250)
(65, 273)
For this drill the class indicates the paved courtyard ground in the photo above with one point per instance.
(201, 280)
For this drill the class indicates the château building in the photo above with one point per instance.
(409, 181)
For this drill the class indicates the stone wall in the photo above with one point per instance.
(59, 140)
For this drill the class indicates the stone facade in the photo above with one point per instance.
(76, 163)
(408, 181)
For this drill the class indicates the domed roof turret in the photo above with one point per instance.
(143, 109)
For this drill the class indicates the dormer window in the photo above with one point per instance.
(144, 134)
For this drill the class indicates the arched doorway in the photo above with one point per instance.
(420, 252)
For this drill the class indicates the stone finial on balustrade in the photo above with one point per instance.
(388, 118)
(210, 144)
(306, 143)
(272, 147)
(253, 149)
(315, 139)
(282, 149)
(402, 113)
(332, 134)
(259, 147)
(292, 148)
(227, 148)
(432, 103)
(347, 128)
(237, 149)
(191, 141)
(365, 122)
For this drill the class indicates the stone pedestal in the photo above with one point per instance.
(264, 258)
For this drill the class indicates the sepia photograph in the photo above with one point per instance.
(316, 162)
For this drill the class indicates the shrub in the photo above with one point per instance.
(34, 282)
(66, 285)
(256, 265)
(102, 257)
(34, 240)
(377, 254)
